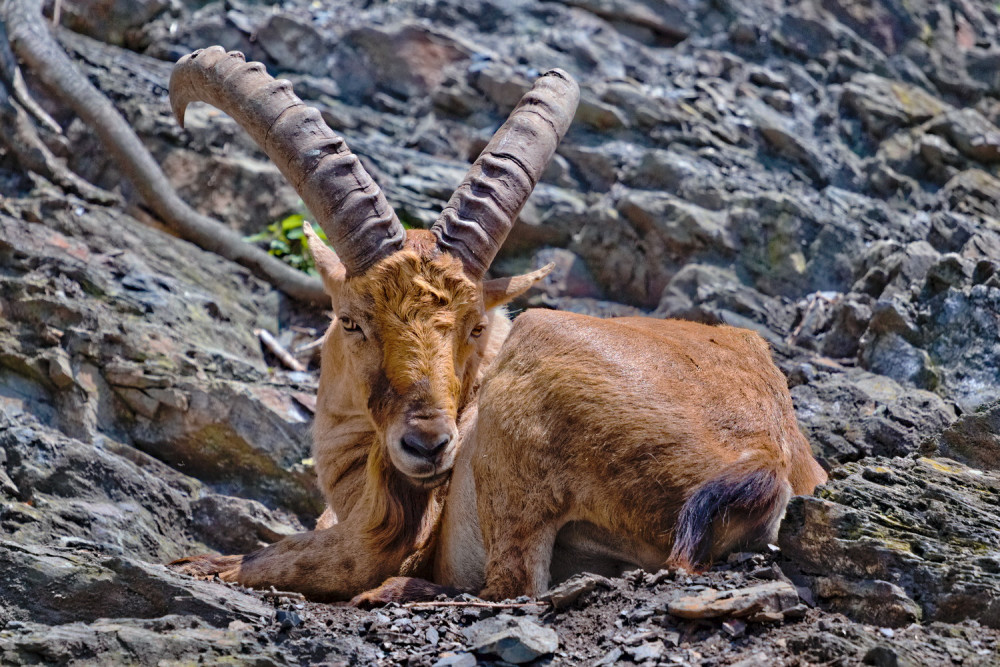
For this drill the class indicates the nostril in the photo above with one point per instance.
(441, 442)
(424, 446)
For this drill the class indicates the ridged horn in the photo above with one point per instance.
(479, 215)
(341, 195)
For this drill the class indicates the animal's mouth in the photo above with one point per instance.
(425, 456)
(431, 481)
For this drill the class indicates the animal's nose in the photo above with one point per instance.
(426, 437)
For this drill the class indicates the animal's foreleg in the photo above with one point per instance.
(333, 564)
(518, 555)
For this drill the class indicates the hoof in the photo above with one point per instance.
(401, 590)
(226, 568)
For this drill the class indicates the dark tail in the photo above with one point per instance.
(737, 508)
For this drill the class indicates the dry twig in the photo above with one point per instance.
(284, 356)
(474, 603)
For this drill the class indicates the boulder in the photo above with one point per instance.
(890, 541)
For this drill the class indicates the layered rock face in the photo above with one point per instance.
(823, 172)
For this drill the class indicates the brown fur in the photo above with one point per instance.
(627, 442)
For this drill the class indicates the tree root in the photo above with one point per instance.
(30, 39)
(18, 133)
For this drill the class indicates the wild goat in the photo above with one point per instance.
(487, 456)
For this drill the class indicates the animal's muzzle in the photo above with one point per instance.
(427, 436)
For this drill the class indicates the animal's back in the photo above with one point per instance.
(714, 384)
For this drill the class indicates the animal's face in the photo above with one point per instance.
(408, 332)
(407, 339)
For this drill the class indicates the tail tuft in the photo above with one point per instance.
(735, 509)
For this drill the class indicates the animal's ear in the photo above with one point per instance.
(330, 268)
(500, 291)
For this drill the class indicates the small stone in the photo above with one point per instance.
(739, 557)
(139, 401)
(881, 656)
(650, 651)
(611, 657)
(515, 640)
(640, 615)
(766, 617)
(456, 660)
(796, 613)
(288, 619)
(769, 597)
(734, 628)
(568, 592)
(60, 370)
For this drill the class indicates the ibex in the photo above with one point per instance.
(487, 456)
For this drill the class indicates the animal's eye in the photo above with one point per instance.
(478, 331)
(349, 324)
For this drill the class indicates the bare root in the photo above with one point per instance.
(34, 45)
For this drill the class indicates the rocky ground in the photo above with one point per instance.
(824, 172)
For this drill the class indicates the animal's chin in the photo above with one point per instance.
(422, 474)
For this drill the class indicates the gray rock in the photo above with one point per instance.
(890, 541)
(668, 20)
(171, 638)
(970, 132)
(958, 331)
(116, 22)
(884, 104)
(873, 600)
(407, 60)
(974, 192)
(973, 439)
(158, 338)
(513, 639)
(570, 277)
(293, 44)
(850, 413)
(80, 586)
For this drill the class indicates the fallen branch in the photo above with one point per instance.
(33, 43)
(474, 603)
(278, 350)
(305, 347)
(274, 593)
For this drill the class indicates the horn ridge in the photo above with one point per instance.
(481, 212)
(339, 192)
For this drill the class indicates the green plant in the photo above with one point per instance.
(286, 241)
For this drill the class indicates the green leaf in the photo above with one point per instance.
(293, 221)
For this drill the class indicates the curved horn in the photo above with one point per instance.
(479, 215)
(344, 199)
